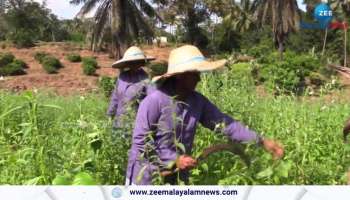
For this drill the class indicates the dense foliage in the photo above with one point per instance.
(9, 65)
(49, 63)
(89, 65)
(73, 57)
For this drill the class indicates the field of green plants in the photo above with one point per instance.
(50, 139)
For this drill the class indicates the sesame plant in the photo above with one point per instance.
(50, 139)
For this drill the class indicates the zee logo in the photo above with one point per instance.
(323, 16)
(325, 13)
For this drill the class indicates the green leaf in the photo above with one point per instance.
(283, 169)
(34, 181)
(205, 167)
(83, 178)
(10, 111)
(53, 106)
(171, 164)
(265, 173)
(181, 146)
(61, 180)
(96, 144)
(141, 173)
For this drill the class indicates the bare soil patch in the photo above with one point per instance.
(70, 79)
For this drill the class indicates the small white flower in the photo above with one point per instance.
(2, 78)
(82, 124)
(82, 98)
(35, 90)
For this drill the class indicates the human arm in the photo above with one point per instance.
(212, 116)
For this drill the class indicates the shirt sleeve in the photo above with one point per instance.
(146, 120)
(114, 102)
(212, 117)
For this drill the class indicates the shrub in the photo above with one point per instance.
(39, 56)
(157, 68)
(90, 61)
(317, 79)
(6, 58)
(73, 57)
(89, 66)
(51, 64)
(22, 39)
(12, 69)
(259, 51)
(288, 75)
(50, 69)
(106, 84)
(20, 63)
(89, 70)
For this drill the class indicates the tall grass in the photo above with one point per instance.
(43, 136)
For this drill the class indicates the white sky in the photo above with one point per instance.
(64, 10)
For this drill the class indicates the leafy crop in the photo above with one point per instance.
(49, 63)
(89, 66)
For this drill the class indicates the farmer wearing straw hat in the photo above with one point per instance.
(169, 116)
(131, 85)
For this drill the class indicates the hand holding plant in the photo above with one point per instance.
(185, 162)
(274, 148)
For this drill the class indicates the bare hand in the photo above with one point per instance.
(185, 162)
(274, 148)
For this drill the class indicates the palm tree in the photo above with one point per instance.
(240, 16)
(125, 19)
(283, 15)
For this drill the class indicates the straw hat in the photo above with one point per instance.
(186, 59)
(132, 55)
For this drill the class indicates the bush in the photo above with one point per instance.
(6, 58)
(51, 64)
(73, 57)
(20, 63)
(12, 69)
(288, 75)
(90, 61)
(106, 84)
(89, 66)
(259, 51)
(89, 70)
(39, 56)
(22, 39)
(317, 79)
(157, 68)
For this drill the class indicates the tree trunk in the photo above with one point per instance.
(280, 49)
(116, 28)
(324, 42)
(191, 25)
(345, 41)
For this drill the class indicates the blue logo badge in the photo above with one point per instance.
(323, 15)
(117, 192)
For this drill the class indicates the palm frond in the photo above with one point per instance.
(102, 19)
(88, 6)
(147, 9)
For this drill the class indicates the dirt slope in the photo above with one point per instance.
(70, 79)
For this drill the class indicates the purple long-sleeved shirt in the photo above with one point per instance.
(130, 87)
(159, 117)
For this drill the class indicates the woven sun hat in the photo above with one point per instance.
(132, 55)
(188, 58)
